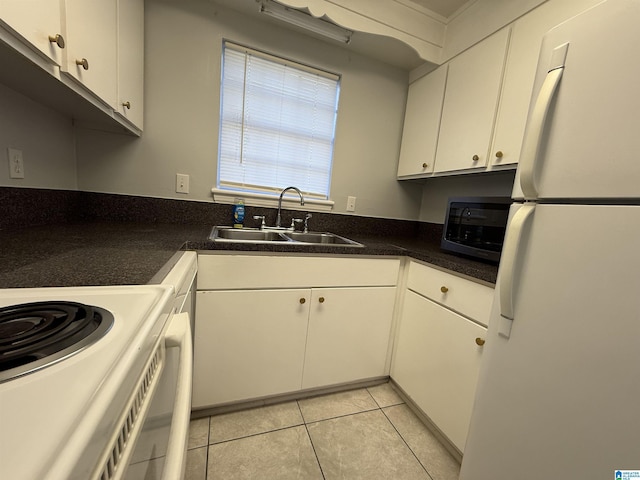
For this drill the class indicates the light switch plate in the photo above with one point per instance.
(351, 204)
(182, 183)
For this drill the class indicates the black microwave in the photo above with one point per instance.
(475, 226)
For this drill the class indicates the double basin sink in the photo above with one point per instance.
(276, 236)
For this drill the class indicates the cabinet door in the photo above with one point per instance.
(517, 87)
(470, 102)
(436, 363)
(348, 336)
(131, 61)
(421, 124)
(90, 33)
(248, 344)
(36, 21)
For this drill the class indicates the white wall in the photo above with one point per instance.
(46, 139)
(182, 82)
(437, 191)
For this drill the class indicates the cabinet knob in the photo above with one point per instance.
(444, 289)
(321, 299)
(425, 165)
(302, 300)
(480, 341)
(126, 105)
(475, 158)
(84, 63)
(57, 39)
(499, 154)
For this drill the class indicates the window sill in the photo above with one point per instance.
(289, 201)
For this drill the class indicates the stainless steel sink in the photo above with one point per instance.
(265, 236)
(246, 235)
(324, 238)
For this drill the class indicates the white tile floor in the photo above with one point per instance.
(367, 433)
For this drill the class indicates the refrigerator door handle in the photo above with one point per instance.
(509, 261)
(537, 121)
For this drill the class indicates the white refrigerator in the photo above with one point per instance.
(558, 394)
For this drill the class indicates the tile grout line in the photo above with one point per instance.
(279, 429)
(405, 442)
(342, 416)
(398, 432)
(313, 447)
(381, 408)
(206, 456)
(306, 425)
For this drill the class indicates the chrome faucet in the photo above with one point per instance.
(278, 218)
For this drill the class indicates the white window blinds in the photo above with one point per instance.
(277, 124)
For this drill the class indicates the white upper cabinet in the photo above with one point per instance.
(422, 123)
(93, 51)
(38, 22)
(90, 55)
(131, 61)
(522, 60)
(487, 95)
(470, 104)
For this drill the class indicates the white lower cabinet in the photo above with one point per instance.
(271, 338)
(248, 344)
(437, 364)
(348, 335)
(438, 351)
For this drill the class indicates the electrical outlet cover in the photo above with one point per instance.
(16, 163)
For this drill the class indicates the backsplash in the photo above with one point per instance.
(25, 207)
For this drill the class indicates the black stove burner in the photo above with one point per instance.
(34, 335)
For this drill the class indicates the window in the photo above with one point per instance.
(277, 124)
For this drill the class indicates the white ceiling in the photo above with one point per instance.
(446, 8)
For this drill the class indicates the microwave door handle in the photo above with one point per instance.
(509, 265)
(537, 122)
(179, 335)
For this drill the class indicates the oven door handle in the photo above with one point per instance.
(179, 335)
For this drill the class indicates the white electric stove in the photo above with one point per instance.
(72, 419)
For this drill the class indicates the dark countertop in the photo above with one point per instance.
(132, 253)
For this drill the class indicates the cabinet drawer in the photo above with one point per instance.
(461, 295)
(263, 271)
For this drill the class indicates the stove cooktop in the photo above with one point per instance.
(63, 411)
(37, 334)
